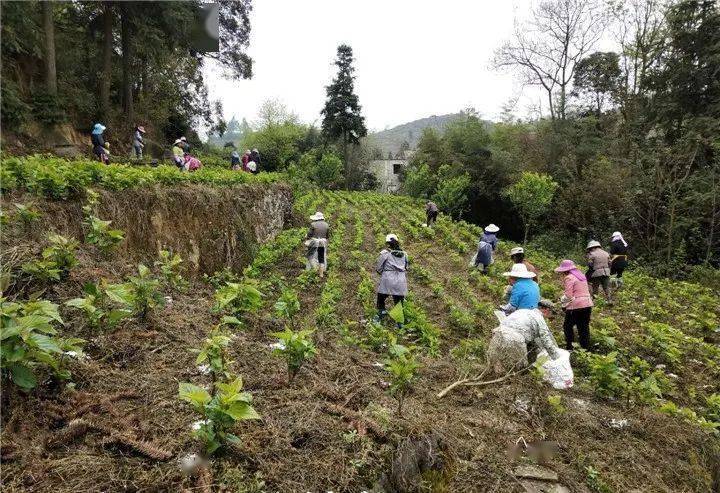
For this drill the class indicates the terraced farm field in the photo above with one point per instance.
(643, 415)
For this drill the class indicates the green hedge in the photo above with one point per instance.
(59, 178)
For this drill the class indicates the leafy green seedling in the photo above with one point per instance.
(296, 347)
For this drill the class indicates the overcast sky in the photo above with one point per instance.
(413, 58)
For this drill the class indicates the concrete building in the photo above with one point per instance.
(387, 171)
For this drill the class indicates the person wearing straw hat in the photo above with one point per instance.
(138, 142)
(486, 247)
(178, 154)
(317, 242)
(517, 255)
(577, 303)
(599, 269)
(618, 257)
(392, 265)
(525, 293)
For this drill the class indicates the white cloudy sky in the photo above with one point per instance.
(413, 58)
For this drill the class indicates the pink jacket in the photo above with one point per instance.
(578, 292)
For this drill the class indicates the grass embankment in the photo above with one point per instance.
(335, 426)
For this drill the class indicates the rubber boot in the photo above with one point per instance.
(381, 314)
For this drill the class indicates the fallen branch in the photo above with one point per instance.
(462, 381)
(475, 381)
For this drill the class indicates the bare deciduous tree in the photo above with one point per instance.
(547, 47)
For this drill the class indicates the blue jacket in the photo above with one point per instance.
(525, 294)
(490, 238)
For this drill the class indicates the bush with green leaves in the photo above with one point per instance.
(30, 343)
(603, 372)
(141, 293)
(100, 234)
(214, 351)
(296, 347)
(95, 305)
(531, 195)
(402, 367)
(221, 277)
(287, 306)
(26, 215)
(238, 298)
(170, 266)
(56, 262)
(219, 412)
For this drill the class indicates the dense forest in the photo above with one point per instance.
(632, 138)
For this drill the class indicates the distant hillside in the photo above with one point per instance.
(391, 139)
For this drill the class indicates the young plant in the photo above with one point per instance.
(44, 271)
(170, 267)
(30, 342)
(287, 306)
(220, 411)
(95, 307)
(296, 347)
(402, 368)
(214, 353)
(99, 232)
(238, 298)
(56, 262)
(141, 292)
(27, 215)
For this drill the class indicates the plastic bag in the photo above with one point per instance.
(558, 372)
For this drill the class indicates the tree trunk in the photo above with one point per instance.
(347, 161)
(527, 230)
(49, 28)
(106, 75)
(125, 34)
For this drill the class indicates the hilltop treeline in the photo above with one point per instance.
(633, 137)
(122, 63)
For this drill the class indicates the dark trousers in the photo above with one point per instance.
(381, 297)
(321, 255)
(579, 318)
(431, 217)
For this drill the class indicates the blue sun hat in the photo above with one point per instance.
(98, 128)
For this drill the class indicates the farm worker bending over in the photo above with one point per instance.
(234, 160)
(245, 160)
(619, 254)
(486, 247)
(317, 242)
(517, 255)
(392, 266)
(178, 153)
(431, 211)
(192, 163)
(599, 269)
(577, 303)
(531, 325)
(525, 292)
(138, 142)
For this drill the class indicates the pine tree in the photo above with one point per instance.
(342, 120)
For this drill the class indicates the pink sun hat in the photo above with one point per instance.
(566, 266)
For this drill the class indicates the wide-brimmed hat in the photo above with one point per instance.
(517, 250)
(318, 216)
(99, 127)
(616, 233)
(491, 228)
(177, 141)
(141, 129)
(519, 270)
(565, 266)
(183, 139)
(390, 237)
(592, 244)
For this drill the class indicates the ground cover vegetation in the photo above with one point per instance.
(282, 378)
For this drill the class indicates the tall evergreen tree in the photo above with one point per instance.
(342, 120)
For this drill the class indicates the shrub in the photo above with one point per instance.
(238, 298)
(95, 306)
(30, 342)
(214, 353)
(603, 372)
(26, 214)
(220, 412)
(402, 368)
(141, 292)
(170, 267)
(56, 262)
(296, 347)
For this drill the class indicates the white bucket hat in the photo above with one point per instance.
(491, 228)
(391, 237)
(519, 270)
(177, 141)
(516, 250)
(318, 216)
(592, 244)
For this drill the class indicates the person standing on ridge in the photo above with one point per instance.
(317, 242)
(392, 265)
(245, 160)
(431, 212)
(138, 142)
(577, 303)
(98, 143)
(178, 154)
(619, 257)
(599, 269)
(255, 156)
(486, 247)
